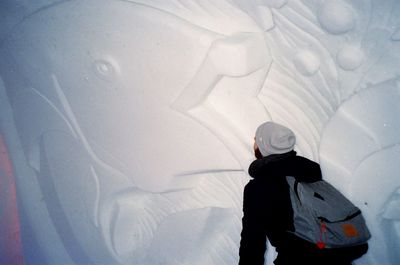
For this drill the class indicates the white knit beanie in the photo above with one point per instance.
(273, 138)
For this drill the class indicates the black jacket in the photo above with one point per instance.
(267, 213)
(267, 210)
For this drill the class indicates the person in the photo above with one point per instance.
(267, 210)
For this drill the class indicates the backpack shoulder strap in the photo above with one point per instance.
(293, 185)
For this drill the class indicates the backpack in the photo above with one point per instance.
(324, 216)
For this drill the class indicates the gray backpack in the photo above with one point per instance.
(324, 216)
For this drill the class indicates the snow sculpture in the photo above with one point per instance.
(336, 17)
(306, 63)
(350, 58)
(360, 153)
(130, 123)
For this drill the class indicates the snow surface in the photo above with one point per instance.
(130, 123)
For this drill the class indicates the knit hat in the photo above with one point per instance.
(273, 138)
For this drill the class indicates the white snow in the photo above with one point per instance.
(396, 35)
(336, 17)
(350, 57)
(306, 62)
(130, 124)
(265, 17)
(274, 3)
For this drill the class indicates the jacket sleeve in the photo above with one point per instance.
(253, 236)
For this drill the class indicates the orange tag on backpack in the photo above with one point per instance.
(350, 230)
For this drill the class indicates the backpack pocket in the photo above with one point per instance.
(350, 231)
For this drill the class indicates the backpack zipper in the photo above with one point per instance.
(323, 219)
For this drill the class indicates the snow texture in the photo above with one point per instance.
(130, 123)
(336, 17)
(350, 58)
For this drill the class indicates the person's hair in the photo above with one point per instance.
(258, 154)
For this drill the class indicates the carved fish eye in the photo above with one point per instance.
(105, 69)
